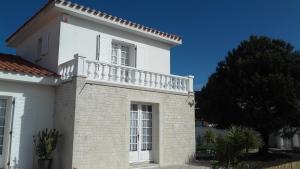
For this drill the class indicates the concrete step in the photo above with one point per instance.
(146, 165)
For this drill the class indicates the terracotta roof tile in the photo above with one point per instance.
(15, 63)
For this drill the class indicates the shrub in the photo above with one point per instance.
(45, 142)
(252, 139)
(235, 144)
(209, 137)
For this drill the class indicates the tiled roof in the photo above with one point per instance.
(116, 19)
(105, 16)
(15, 63)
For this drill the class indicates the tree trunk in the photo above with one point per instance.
(265, 137)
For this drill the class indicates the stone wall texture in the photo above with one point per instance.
(64, 122)
(101, 125)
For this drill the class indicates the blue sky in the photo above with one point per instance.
(210, 28)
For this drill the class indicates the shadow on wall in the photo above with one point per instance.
(15, 163)
(191, 158)
(34, 107)
(29, 127)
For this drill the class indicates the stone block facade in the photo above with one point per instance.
(101, 125)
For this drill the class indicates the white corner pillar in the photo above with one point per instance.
(79, 65)
(191, 83)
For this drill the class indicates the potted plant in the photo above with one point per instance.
(45, 143)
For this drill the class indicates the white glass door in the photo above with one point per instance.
(140, 148)
(134, 134)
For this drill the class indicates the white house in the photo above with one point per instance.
(284, 143)
(103, 82)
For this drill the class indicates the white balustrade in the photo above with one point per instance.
(106, 72)
(66, 70)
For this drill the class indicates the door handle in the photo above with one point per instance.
(138, 137)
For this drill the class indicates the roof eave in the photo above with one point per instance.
(118, 23)
(28, 78)
(100, 17)
(13, 36)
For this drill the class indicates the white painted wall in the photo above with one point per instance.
(79, 36)
(34, 107)
(28, 47)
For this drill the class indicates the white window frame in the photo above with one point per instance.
(5, 156)
(124, 57)
(123, 52)
(114, 54)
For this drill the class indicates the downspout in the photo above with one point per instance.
(11, 130)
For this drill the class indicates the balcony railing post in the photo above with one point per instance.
(155, 80)
(103, 73)
(79, 69)
(150, 79)
(146, 78)
(118, 74)
(129, 78)
(160, 81)
(97, 70)
(134, 76)
(110, 75)
(191, 83)
(140, 77)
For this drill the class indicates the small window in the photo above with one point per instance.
(42, 46)
(39, 48)
(45, 43)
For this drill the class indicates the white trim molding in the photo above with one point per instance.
(26, 78)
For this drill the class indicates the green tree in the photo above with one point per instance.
(257, 86)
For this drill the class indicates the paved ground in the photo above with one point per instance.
(185, 167)
(198, 165)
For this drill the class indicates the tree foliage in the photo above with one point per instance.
(257, 86)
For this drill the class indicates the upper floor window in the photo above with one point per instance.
(39, 48)
(123, 54)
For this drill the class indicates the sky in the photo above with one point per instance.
(210, 28)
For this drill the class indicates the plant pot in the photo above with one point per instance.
(44, 163)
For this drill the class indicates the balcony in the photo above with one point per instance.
(96, 71)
